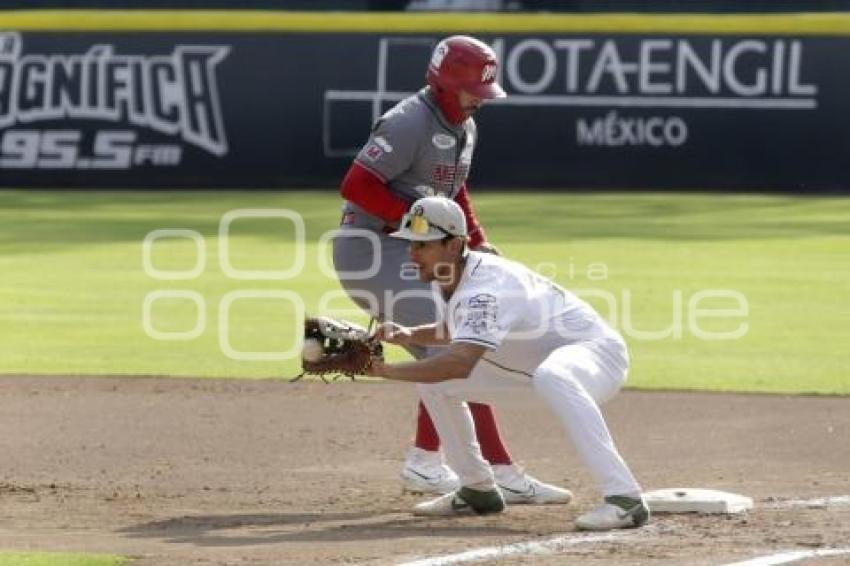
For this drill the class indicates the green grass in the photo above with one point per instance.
(8, 558)
(72, 285)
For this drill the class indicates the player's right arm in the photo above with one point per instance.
(371, 193)
(389, 152)
(454, 362)
(435, 334)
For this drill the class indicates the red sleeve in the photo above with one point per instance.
(368, 191)
(476, 232)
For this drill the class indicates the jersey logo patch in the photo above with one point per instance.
(481, 314)
(373, 152)
(443, 141)
(445, 177)
(383, 144)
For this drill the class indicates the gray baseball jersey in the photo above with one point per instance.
(417, 153)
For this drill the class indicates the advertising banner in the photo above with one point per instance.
(178, 109)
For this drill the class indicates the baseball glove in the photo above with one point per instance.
(336, 347)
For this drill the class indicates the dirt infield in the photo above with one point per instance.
(208, 472)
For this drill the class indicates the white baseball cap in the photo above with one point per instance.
(432, 218)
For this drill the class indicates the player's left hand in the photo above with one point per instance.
(336, 347)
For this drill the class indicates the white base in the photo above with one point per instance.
(696, 500)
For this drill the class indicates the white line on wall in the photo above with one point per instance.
(759, 103)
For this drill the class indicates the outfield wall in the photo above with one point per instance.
(282, 99)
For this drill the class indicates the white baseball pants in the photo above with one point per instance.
(574, 380)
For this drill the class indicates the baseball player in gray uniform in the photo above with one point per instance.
(423, 146)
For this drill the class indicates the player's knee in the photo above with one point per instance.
(548, 377)
(571, 384)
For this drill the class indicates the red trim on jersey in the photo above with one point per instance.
(476, 232)
(367, 190)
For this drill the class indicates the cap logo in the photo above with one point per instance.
(418, 210)
(488, 73)
(438, 55)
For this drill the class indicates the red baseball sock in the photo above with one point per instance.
(426, 434)
(492, 447)
(487, 431)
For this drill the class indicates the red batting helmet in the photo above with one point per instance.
(464, 63)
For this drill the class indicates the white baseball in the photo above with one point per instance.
(312, 350)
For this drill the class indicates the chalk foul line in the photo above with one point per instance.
(549, 546)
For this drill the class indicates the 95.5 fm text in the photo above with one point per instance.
(66, 149)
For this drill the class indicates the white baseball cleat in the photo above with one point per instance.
(425, 472)
(464, 501)
(517, 487)
(618, 512)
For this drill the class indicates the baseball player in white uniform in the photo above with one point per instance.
(508, 329)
